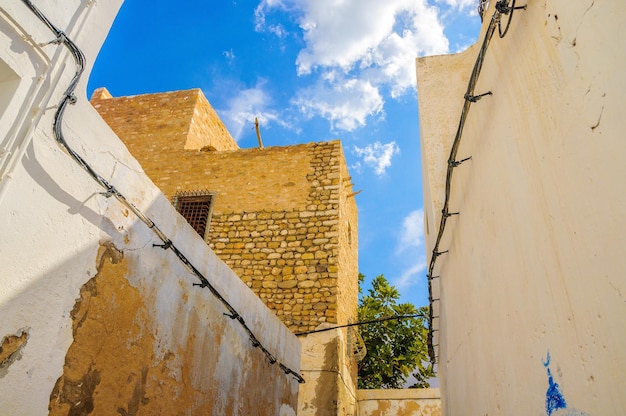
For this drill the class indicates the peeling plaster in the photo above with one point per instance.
(399, 402)
(117, 363)
(11, 349)
(103, 372)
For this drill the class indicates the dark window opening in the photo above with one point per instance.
(196, 207)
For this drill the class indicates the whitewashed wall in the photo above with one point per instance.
(533, 286)
(54, 223)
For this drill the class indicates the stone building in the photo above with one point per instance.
(283, 218)
(528, 282)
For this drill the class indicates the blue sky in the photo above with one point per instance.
(310, 70)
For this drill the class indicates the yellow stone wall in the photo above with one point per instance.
(348, 286)
(399, 402)
(284, 218)
(160, 123)
(282, 237)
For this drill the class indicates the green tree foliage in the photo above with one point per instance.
(396, 348)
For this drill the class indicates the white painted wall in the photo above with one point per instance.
(53, 220)
(536, 257)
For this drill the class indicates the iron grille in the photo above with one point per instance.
(196, 207)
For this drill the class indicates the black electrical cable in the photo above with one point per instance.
(70, 98)
(372, 321)
(508, 10)
(501, 7)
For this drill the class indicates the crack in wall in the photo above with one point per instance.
(597, 124)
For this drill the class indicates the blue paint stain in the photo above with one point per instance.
(554, 397)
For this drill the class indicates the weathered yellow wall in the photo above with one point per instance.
(535, 267)
(399, 402)
(327, 365)
(206, 126)
(185, 118)
(348, 259)
(166, 349)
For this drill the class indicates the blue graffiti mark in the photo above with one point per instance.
(555, 401)
(554, 397)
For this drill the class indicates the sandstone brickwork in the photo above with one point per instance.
(290, 256)
(164, 122)
(284, 218)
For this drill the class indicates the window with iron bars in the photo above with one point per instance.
(196, 207)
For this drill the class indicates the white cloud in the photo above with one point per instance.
(347, 33)
(410, 244)
(412, 234)
(460, 4)
(345, 103)
(247, 104)
(357, 50)
(260, 17)
(377, 155)
(381, 38)
(278, 30)
(356, 167)
(411, 275)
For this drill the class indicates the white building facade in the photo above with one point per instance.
(527, 277)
